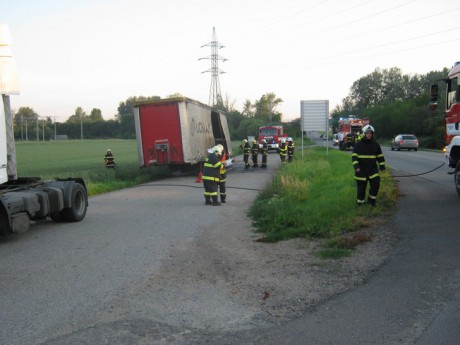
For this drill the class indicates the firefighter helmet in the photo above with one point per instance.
(218, 149)
(254, 141)
(264, 141)
(245, 141)
(109, 150)
(283, 140)
(368, 128)
(289, 139)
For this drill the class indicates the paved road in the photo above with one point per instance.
(415, 297)
(58, 278)
(64, 283)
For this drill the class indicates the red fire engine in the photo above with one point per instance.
(273, 135)
(452, 120)
(348, 131)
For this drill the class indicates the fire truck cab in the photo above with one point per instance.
(452, 120)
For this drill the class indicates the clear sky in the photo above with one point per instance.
(97, 53)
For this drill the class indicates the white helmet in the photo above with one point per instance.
(264, 141)
(283, 140)
(368, 128)
(109, 150)
(218, 149)
(245, 141)
(289, 139)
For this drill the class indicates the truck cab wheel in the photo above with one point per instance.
(78, 208)
(5, 228)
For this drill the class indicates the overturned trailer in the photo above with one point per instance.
(177, 132)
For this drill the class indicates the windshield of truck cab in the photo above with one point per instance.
(268, 132)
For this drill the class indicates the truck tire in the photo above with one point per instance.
(457, 178)
(77, 211)
(4, 224)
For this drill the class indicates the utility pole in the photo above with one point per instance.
(43, 130)
(54, 118)
(215, 96)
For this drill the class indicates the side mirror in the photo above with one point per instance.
(433, 97)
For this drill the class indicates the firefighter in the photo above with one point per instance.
(210, 175)
(109, 159)
(290, 149)
(283, 150)
(246, 151)
(223, 178)
(264, 151)
(368, 160)
(255, 153)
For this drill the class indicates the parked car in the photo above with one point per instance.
(335, 140)
(404, 142)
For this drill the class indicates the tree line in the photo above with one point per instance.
(395, 103)
(28, 125)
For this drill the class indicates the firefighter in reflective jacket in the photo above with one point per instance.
(368, 160)
(255, 154)
(109, 159)
(210, 175)
(264, 151)
(223, 178)
(246, 152)
(290, 149)
(283, 150)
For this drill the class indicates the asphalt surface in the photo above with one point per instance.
(413, 299)
(58, 281)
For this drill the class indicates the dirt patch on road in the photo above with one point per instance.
(227, 280)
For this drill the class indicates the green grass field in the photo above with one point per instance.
(84, 158)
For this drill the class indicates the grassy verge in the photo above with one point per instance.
(315, 197)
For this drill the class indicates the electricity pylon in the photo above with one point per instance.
(215, 96)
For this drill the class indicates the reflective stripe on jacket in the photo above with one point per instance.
(211, 168)
(368, 157)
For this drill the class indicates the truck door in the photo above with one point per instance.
(217, 130)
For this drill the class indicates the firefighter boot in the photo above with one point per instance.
(222, 199)
(214, 201)
(371, 202)
(208, 200)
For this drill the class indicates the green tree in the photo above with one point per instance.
(248, 108)
(25, 120)
(249, 127)
(266, 108)
(95, 115)
(78, 117)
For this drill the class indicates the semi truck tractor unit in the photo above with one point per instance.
(177, 132)
(452, 119)
(27, 199)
